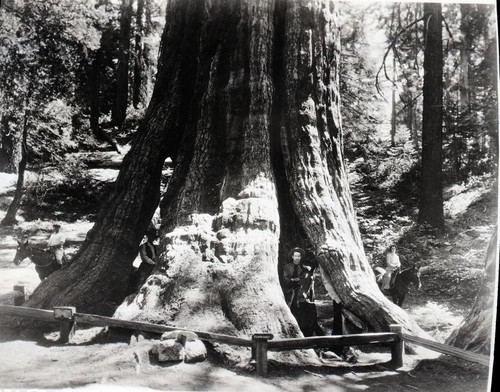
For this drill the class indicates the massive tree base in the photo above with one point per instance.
(247, 106)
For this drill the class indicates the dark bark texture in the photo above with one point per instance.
(96, 280)
(465, 47)
(247, 105)
(143, 56)
(94, 82)
(431, 190)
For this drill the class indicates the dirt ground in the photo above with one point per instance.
(106, 366)
(90, 364)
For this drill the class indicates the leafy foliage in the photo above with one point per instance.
(44, 48)
(361, 107)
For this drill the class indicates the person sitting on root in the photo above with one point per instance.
(55, 244)
(392, 264)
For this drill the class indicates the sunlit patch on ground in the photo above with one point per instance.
(435, 318)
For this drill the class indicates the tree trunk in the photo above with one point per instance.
(412, 126)
(253, 112)
(10, 217)
(393, 100)
(96, 280)
(465, 47)
(95, 93)
(142, 54)
(10, 153)
(95, 80)
(431, 190)
(119, 111)
(475, 332)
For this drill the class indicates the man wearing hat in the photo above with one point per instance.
(56, 243)
(292, 272)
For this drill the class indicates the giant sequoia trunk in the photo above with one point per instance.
(431, 190)
(247, 105)
(475, 332)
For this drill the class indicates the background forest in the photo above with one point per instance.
(76, 77)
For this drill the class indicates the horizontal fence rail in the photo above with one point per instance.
(447, 349)
(21, 311)
(102, 321)
(67, 317)
(327, 341)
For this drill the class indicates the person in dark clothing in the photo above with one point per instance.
(292, 272)
(148, 253)
(298, 287)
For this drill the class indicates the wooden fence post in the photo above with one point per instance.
(65, 314)
(398, 347)
(338, 325)
(259, 349)
(18, 301)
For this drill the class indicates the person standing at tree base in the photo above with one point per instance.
(292, 275)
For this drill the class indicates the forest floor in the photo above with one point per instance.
(452, 267)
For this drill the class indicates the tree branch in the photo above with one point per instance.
(391, 45)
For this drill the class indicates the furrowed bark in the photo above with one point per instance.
(430, 209)
(96, 280)
(312, 147)
(247, 105)
(220, 226)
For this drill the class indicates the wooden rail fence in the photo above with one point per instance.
(261, 343)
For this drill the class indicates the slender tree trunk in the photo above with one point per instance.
(475, 332)
(412, 123)
(431, 190)
(465, 46)
(138, 96)
(10, 216)
(393, 101)
(95, 80)
(143, 59)
(414, 128)
(252, 121)
(119, 111)
(10, 153)
(95, 92)
(415, 103)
